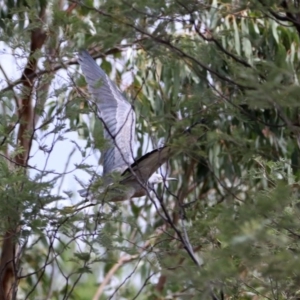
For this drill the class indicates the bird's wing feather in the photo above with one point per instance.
(146, 165)
(116, 113)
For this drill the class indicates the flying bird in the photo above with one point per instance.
(118, 118)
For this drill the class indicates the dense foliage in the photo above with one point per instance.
(216, 80)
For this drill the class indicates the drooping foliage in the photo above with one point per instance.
(216, 80)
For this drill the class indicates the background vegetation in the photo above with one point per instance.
(228, 71)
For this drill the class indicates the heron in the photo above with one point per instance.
(118, 118)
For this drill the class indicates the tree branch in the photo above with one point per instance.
(8, 271)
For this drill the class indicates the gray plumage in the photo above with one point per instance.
(118, 118)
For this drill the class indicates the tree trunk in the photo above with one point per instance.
(8, 263)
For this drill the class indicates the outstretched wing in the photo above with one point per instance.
(116, 113)
(146, 165)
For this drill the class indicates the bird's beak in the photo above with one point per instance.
(170, 178)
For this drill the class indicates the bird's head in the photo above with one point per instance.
(157, 178)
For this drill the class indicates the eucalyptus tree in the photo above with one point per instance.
(226, 72)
